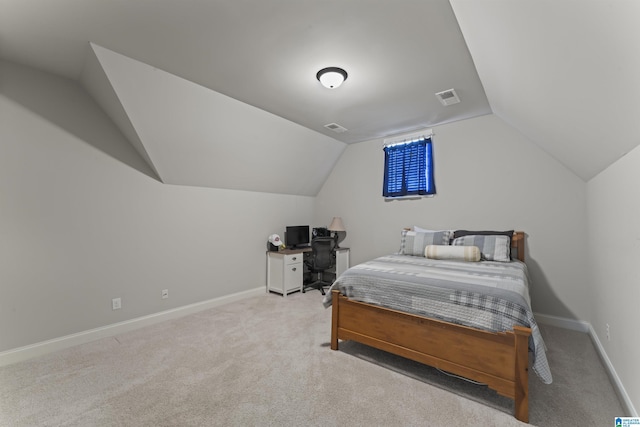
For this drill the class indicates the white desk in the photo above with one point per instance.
(285, 269)
(342, 260)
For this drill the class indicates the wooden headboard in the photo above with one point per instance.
(517, 243)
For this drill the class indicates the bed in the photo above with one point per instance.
(474, 320)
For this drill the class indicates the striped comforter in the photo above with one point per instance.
(492, 296)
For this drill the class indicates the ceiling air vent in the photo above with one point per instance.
(335, 127)
(448, 97)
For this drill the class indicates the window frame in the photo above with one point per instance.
(411, 145)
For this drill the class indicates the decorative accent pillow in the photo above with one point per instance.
(493, 247)
(459, 253)
(414, 242)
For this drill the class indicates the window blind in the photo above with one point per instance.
(409, 169)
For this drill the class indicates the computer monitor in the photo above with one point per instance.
(296, 236)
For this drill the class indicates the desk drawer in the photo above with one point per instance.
(293, 259)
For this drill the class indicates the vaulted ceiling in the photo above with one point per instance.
(208, 89)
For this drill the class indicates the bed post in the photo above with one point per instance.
(517, 242)
(522, 378)
(335, 306)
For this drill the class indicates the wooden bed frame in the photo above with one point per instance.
(500, 360)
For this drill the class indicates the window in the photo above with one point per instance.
(408, 169)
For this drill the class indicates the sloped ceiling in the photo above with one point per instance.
(195, 136)
(563, 72)
(222, 93)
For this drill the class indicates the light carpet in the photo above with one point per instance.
(265, 361)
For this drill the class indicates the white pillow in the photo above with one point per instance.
(460, 253)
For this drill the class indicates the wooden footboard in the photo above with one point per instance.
(499, 360)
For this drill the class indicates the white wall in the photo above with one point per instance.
(79, 225)
(614, 252)
(488, 176)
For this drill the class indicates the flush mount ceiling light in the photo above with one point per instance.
(331, 77)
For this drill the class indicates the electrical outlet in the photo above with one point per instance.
(165, 293)
(608, 333)
(116, 304)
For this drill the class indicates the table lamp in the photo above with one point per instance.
(335, 226)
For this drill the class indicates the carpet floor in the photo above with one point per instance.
(265, 361)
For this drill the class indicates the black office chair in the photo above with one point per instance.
(322, 258)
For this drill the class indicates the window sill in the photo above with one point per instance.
(416, 197)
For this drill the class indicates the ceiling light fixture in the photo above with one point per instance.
(331, 77)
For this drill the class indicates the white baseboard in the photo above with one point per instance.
(562, 322)
(585, 327)
(27, 352)
(627, 405)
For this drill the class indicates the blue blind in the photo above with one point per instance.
(408, 169)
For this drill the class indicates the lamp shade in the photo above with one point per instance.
(331, 77)
(336, 224)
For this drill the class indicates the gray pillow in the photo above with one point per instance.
(414, 242)
(492, 247)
